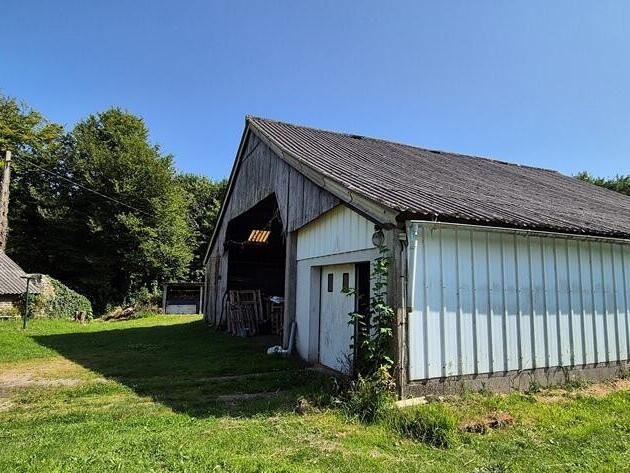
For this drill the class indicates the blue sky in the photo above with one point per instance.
(535, 82)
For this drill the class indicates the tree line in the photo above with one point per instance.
(618, 183)
(100, 207)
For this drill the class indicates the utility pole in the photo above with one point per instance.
(4, 201)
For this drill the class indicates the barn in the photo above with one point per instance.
(500, 274)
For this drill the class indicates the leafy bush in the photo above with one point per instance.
(432, 424)
(369, 398)
(59, 301)
(145, 298)
(11, 311)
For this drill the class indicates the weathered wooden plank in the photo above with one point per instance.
(296, 199)
(290, 284)
(299, 200)
(394, 299)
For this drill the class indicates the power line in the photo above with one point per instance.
(60, 176)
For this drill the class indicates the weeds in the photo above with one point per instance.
(534, 387)
(432, 424)
(370, 398)
(576, 382)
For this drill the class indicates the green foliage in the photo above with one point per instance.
(105, 249)
(61, 302)
(145, 298)
(432, 424)
(534, 387)
(24, 131)
(204, 202)
(375, 329)
(11, 312)
(369, 398)
(618, 183)
(371, 394)
(119, 249)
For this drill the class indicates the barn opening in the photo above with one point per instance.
(256, 246)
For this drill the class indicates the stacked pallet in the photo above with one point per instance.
(245, 312)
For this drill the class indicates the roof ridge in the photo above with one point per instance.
(437, 151)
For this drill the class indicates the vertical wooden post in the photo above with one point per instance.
(290, 280)
(395, 288)
(4, 201)
(165, 286)
(201, 288)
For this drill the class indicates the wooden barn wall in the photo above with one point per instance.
(261, 174)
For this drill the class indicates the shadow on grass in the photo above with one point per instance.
(191, 368)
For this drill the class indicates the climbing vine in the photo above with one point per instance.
(375, 329)
(369, 397)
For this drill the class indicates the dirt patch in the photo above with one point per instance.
(493, 421)
(596, 390)
(5, 404)
(236, 377)
(45, 373)
(604, 389)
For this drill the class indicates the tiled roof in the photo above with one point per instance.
(435, 185)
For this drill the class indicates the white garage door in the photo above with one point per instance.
(335, 334)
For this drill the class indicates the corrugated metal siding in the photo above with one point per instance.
(485, 301)
(11, 275)
(340, 230)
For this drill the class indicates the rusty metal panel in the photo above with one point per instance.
(489, 300)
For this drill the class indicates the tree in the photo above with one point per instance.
(24, 131)
(33, 207)
(148, 224)
(139, 236)
(618, 183)
(204, 202)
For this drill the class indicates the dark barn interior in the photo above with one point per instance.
(256, 250)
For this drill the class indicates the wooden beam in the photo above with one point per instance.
(395, 295)
(290, 282)
(201, 298)
(164, 297)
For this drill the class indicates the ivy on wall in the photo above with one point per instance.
(56, 300)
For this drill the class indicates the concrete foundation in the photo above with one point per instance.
(515, 380)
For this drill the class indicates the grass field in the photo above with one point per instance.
(167, 393)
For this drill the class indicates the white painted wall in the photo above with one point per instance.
(336, 237)
(181, 309)
(339, 230)
(335, 334)
(487, 301)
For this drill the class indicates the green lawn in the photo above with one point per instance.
(164, 393)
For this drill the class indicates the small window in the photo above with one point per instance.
(346, 282)
(330, 282)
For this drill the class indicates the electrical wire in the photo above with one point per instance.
(104, 196)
